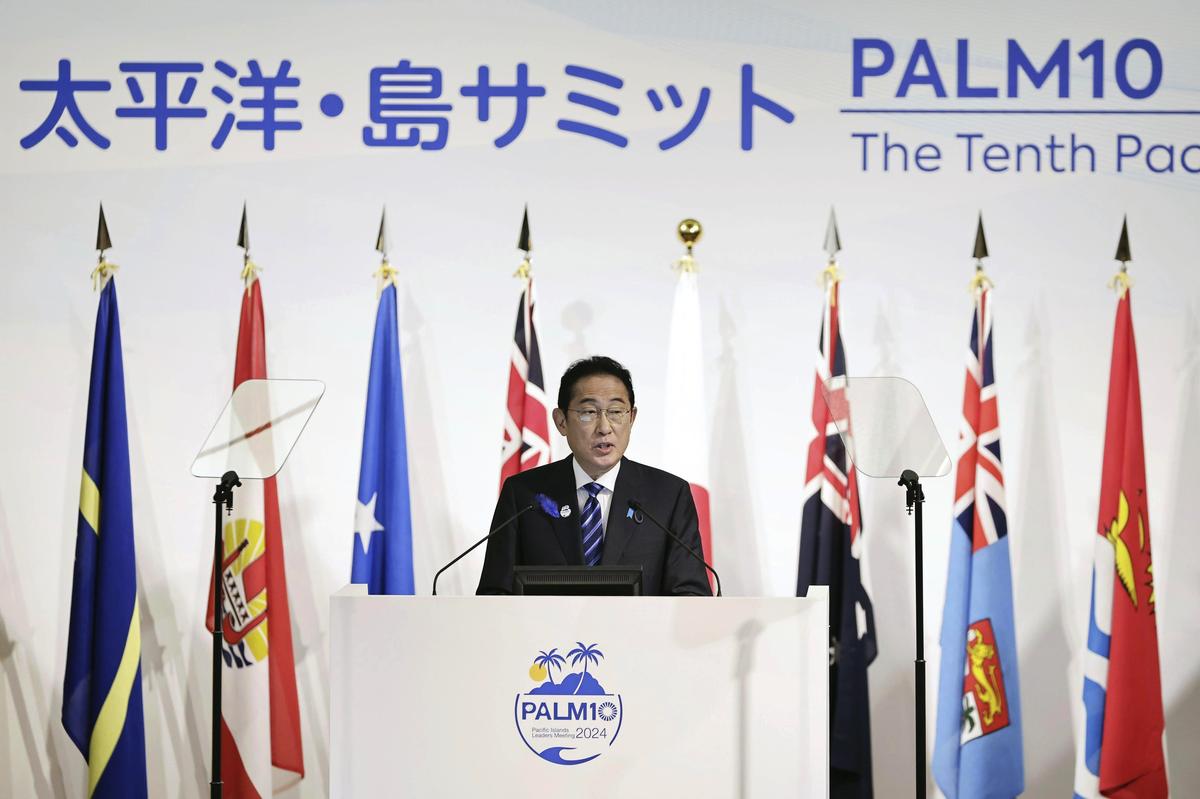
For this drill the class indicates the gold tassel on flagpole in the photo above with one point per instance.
(386, 273)
(250, 272)
(980, 282)
(1121, 282)
(102, 273)
(525, 270)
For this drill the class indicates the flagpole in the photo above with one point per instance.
(223, 495)
(104, 616)
(526, 438)
(831, 543)
(525, 244)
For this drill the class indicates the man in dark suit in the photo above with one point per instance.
(591, 491)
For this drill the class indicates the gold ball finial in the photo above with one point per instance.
(689, 231)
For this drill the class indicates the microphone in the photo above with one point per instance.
(539, 501)
(640, 508)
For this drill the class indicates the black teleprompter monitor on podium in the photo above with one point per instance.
(577, 580)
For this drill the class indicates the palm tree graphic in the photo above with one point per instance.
(585, 653)
(549, 661)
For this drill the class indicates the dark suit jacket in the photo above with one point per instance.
(536, 539)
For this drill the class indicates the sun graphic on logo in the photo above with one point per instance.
(537, 672)
(607, 711)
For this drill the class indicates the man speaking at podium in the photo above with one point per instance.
(593, 523)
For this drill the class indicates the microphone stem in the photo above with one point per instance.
(474, 546)
(642, 509)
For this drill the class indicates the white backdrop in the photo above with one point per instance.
(603, 223)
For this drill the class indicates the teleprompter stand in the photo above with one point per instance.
(251, 439)
(892, 435)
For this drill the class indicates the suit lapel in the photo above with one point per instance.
(620, 526)
(567, 530)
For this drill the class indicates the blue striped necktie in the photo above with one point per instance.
(593, 525)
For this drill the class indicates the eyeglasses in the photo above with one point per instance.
(615, 416)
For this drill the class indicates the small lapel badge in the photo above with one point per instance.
(564, 511)
(635, 515)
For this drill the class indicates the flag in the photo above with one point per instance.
(830, 549)
(1120, 745)
(383, 556)
(260, 713)
(977, 747)
(102, 687)
(526, 421)
(685, 450)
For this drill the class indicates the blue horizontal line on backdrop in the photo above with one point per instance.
(1032, 111)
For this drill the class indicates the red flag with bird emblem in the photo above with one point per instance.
(1123, 735)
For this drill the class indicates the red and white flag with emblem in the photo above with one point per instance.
(260, 712)
(685, 450)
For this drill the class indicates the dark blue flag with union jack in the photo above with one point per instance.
(526, 419)
(830, 548)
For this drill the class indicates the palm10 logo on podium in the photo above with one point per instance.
(570, 720)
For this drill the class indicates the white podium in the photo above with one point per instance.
(579, 696)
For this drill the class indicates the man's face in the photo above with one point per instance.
(597, 445)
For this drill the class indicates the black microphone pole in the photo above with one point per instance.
(914, 499)
(472, 548)
(640, 508)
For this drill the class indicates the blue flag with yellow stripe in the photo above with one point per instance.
(102, 689)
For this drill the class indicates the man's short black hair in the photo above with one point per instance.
(590, 367)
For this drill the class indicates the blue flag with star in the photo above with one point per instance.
(383, 519)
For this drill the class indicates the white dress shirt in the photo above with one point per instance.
(608, 480)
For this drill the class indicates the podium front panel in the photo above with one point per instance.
(595, 696)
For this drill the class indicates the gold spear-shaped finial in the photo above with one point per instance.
(831, 275)
(833, 242)
(104, 268)
(381, 240)
(689, 232)
(980, 281)
(103, 240)
(525, 244)
(1121, 281)
(249, 269)
(386, 272)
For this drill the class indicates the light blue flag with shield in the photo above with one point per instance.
(977, 748)
(102, 685)
(383, 556)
